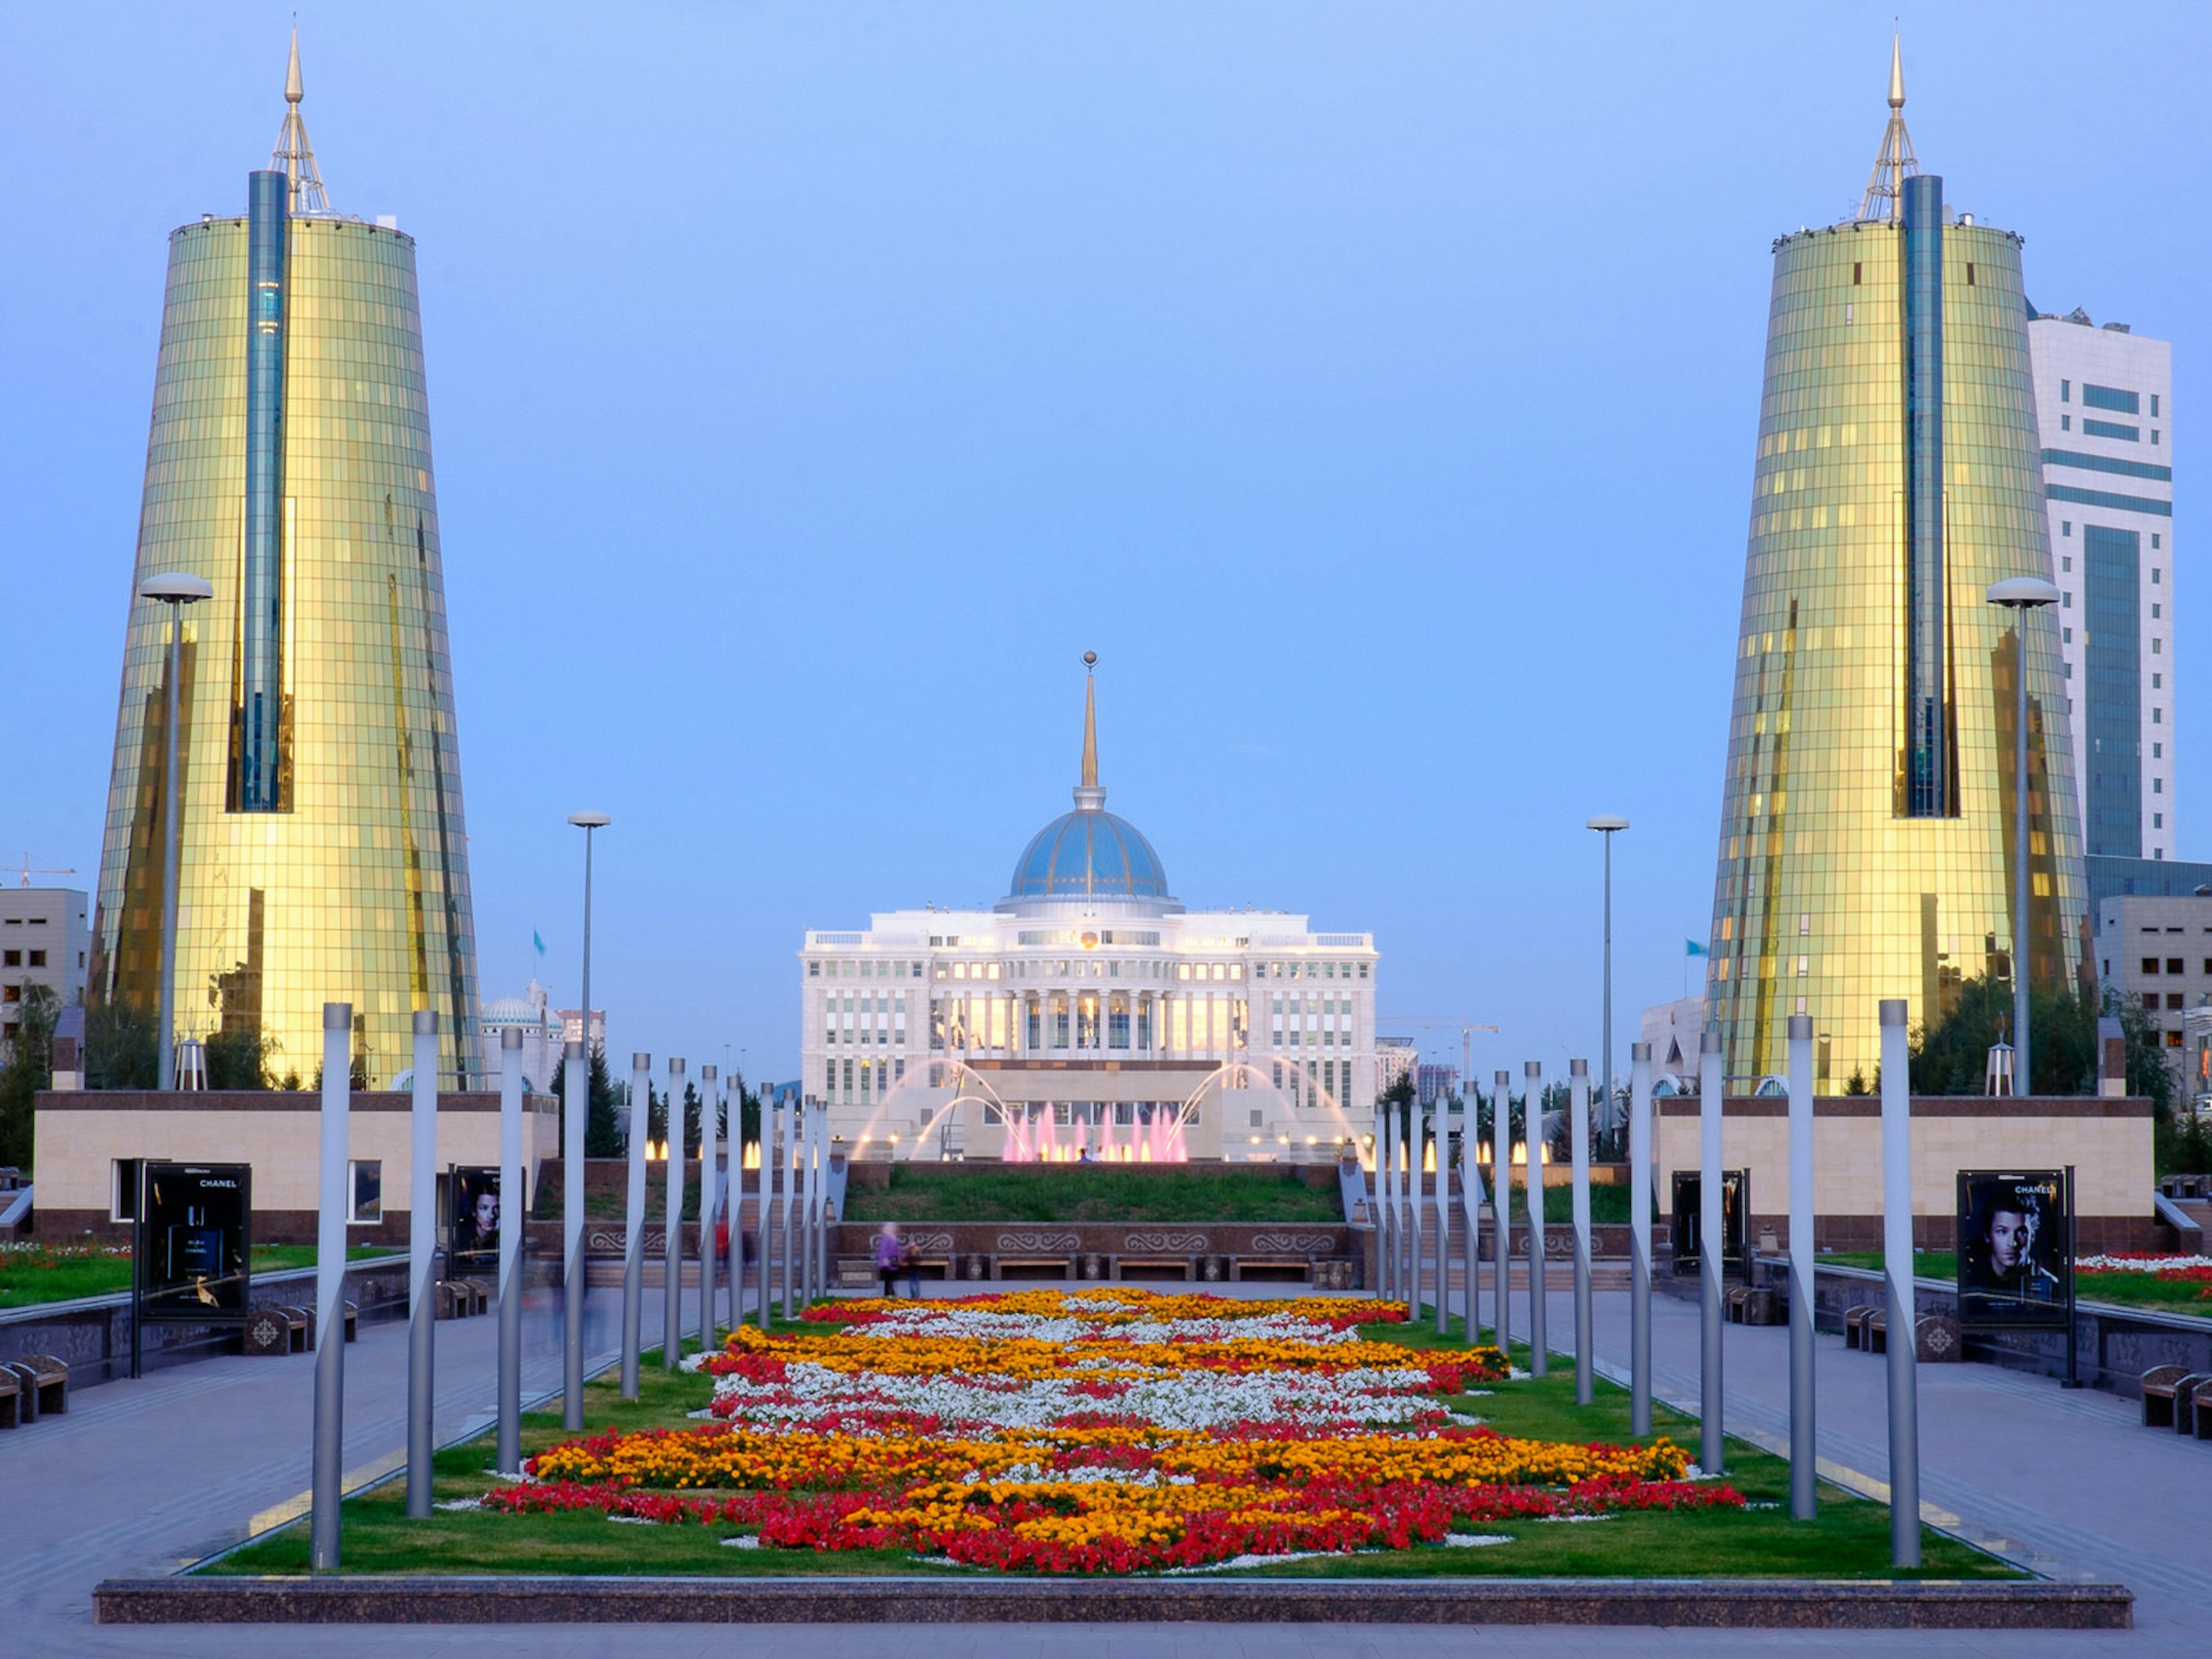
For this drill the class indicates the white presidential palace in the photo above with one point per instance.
(1088, 1014)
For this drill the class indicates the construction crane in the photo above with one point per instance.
(28, 872)
(1465, 1028)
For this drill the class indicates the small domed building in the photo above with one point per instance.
(1090, 1013)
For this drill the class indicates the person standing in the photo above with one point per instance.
(888, 1254)
(910, 1258)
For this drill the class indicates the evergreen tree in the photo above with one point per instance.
(29, 1068)
(119, 1047)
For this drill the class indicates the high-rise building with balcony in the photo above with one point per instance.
(323, 852)
(1867, 845)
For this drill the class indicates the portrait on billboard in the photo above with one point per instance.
(2016, 1246)
(476, 1218)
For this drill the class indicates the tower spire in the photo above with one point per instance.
(1895, 162)
(294, 156)
(1088, 795)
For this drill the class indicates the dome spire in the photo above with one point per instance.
(294, 156)
(1089, 796)
(1894, 162)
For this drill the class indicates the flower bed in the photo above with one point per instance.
(1100, 1431)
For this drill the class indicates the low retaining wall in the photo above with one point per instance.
(1703, 1603)
(92, 1335)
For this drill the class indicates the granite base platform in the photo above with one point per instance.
(1702, 1603)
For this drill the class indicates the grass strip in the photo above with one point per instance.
(40, 1273)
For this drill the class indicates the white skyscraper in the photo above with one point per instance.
(2104, 401)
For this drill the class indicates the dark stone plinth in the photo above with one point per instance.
(1705, 1603)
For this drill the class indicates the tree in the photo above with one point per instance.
(120, 1048)
(238, 1060)
(1950, 1056)
(30, 1068)
(602, 1121)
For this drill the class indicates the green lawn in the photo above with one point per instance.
(1091, 1192)
(1849, 1539)
(38, 1274)
(2128, 1289)
(1608, 1204)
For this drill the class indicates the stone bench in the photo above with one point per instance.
(1855, 1326)
(1153, 1266)
(43, 1381)
(2162, 1385)
(1064, 1266)
(2201, 1409)
(1240, 1267)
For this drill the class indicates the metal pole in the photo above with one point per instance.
(514, 1194)
(641, 1106)
(576, 1087)
(1902, 1337)
(1712, 1452)
(1470, 1203)
(1579, 1133)
(2021, 956)
(709, 1155)
(671, 1256)
(763, 1290)
(1532, 1118)
(422, 1265)
(330, 1292)
(1440, 1138)
(788, 1178)
(1803, 1503)
(817, 1172)
(165, 1056)
(1386, 1180)
(1639, 1239)
(1501, 1201)
(1416, 1190)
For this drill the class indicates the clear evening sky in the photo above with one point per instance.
(1373, 387)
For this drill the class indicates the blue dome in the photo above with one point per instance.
(1089, 854)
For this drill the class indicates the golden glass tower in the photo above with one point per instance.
(1867, 842)
(324, 857)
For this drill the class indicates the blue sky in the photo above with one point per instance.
(1373, 388)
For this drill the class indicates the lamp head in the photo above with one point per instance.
(2023, 592)
(590, 820)
(176, 587)
(1606, 823)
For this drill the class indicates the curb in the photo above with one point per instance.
(1696, 1603)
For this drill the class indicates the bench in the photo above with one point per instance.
(44, 1382)
(856, 1272)
(11, 1400)
(1855, 1324)
(2185, 1403)
(2204, 1410)
(1297, 1270)
(1873, 1333)
(2160, 1385)
(457, 1298)
(1038, 1267)
(1151, 1266)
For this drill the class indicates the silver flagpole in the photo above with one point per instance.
(1533, 1130)
(671, 1296)
(330, 1292)
(513, 1199)
(1712, 1242)
(1470, 1200)
(709, 1156)
(1803, 1502)
(1578, 1147)
(422, 1265)
(1639, 1238)
(1501, 1204)
(641, 1097)
(1414, 1192)
(1902, 1336)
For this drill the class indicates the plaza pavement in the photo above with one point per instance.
(140, 1477)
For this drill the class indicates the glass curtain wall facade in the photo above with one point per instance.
(1867, 845)
(324, 855)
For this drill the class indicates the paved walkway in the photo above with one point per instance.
(140, 1477)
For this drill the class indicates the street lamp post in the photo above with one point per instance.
(1608, 825)
(175, 589)
(578, 1089)
(2021, 594)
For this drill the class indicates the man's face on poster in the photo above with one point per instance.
(487, 1211)
(2009, 1233)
